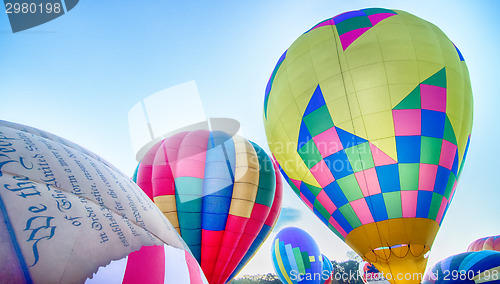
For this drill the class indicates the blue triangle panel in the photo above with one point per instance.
(307, 193)
(459, 53)
(285, 176)
(317, 100)
(348, 140)
(304, 135)
(454, 168)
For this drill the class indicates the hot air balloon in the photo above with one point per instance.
(487, 243)
(66, 212)
(468, 267)
(327, 275)
(369, 115)
(221, 193)
(296, 257)
(370, 274)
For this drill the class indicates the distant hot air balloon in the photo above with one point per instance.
(468, 267)
(221, 193)
(296, 257)
(369, 115)
(487, 243)
(370, 274)
(327, 275)
(66, 212)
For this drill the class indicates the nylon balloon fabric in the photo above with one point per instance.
(67, 213)
(487, 243)
(468, 267)
(152, 265)
(220, 192)
(296, 257)
(369, 115)
(327, 274)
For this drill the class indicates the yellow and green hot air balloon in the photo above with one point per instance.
(369, 115)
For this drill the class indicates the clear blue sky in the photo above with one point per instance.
(79, 75)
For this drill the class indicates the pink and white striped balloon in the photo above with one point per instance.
(153, 265)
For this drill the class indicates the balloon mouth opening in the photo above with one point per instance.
(400, 251)
(391, 247)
